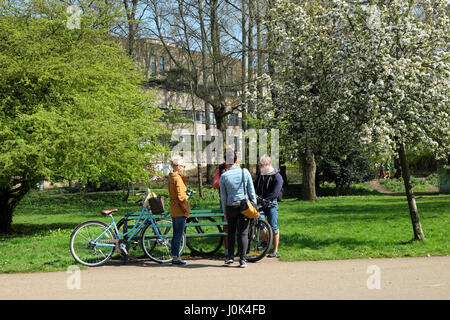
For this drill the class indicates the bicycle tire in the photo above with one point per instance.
(80, 243)
(257, 245)
(159, 249)
(206, 246)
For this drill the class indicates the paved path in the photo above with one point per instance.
(400, 278)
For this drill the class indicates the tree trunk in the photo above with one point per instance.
(9, 199)
(208, 138)
(414, 213)
(244, 69)
(217, 69)
(125, 198)
(5, 216)
(205, 85)
(197, 146)
(398, 168)
(337, 190)
(308, 176)
(132, 24)
(259, 52)
(250, 55)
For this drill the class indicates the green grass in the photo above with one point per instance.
(419, 185)
(362, 227)
(367, 225)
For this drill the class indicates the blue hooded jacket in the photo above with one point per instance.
(232, 188)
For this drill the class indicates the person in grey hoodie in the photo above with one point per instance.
(268, 187)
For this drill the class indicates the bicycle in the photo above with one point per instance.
(92, 243)
(198, 245)
(201, 245)
(260, 235)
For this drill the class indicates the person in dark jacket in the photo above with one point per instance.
(268, 187)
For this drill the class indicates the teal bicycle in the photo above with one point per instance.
(92, 243)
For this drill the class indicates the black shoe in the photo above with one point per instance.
(229, 261)
(179, 262)
(242, 264)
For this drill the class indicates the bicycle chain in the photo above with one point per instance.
(108, 241)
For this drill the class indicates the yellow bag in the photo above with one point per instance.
(246, 207)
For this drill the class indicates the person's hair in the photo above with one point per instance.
(176, 161)
(230, 154)
(265, 160)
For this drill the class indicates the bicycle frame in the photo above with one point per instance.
(137, 226)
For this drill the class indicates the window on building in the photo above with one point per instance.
(212, 118)
(153, 65)
(200, 116)
(161, 64)
(186, 114)
(233, 120)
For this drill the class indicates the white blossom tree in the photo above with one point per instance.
(371, 70)
(401, 68)
(308, 91)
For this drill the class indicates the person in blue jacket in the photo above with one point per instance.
(268, 187)
(231, 194)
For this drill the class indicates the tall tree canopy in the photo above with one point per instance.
(71, 105)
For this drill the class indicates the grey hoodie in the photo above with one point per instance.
(268, 186)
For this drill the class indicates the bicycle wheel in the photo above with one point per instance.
(203, 245)
(84, 250)
(158, 247)
(260, 238)
(136, 243)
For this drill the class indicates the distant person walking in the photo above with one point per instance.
(179, 206)
(268, 188)
(231, 193)
(388, 171)
(381, 171)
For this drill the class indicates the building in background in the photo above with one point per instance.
(174, 95)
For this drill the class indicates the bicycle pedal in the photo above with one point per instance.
(123, 248)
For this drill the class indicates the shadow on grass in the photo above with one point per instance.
(293, 191)
(29, 229)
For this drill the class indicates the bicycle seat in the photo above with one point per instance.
(108, 212)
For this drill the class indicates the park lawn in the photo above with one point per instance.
(372, 226)
(331, 228)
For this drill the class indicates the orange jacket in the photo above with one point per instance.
(179, 205)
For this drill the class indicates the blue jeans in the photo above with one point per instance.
(271, 212)
(178, 225)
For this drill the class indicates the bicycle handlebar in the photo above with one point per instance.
(263, 202)
(189, 193)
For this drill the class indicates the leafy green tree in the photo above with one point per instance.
(354, 167)
(71, 105)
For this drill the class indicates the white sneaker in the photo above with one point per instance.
(242, 264)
